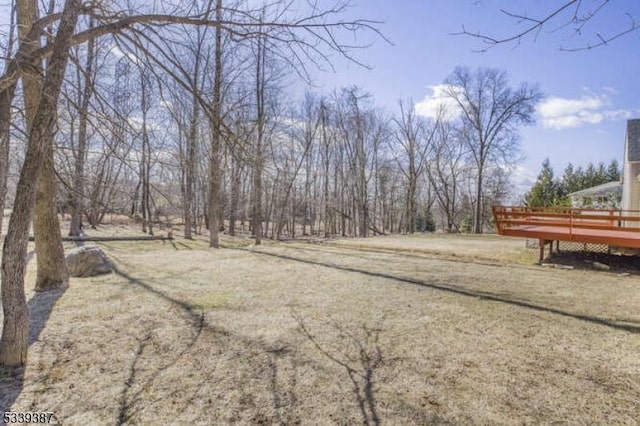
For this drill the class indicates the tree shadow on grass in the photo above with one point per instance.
(274, 364)
(282, 388)
(197, 322)
(177, 245)
(360, 357)
(459, 290)
(12, 379)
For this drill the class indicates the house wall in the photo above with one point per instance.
(631, 187)
(631, 184)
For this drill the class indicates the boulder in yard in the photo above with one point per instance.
(87, 261)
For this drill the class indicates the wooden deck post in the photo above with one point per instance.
(541, 245)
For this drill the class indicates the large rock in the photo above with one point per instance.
(87, 261)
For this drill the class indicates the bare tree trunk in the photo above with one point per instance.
(6, 97)
(477, 216)
(258, 160)
(325, 140)
(15, 331)
(214, 188)
(214, 161)
(190, 166)
(52, 270)
(192, 143)
(410, 210)
(307, 197)
(235, 194)
(77, 195)
(362, 202)
(292, 232)
(145, 164)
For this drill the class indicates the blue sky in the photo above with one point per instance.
(589, 94)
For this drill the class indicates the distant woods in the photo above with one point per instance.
(148, 138)
(550, 190)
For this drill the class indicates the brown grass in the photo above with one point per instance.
(392, 330)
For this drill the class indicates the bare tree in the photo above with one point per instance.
(52, 271)
(216, 139)
(415, 139)
(493, 111)
(145, 160)
(192, 140)
(14, 342)
(78, 193)
(258, 155)
(445, 173)
(352, 124)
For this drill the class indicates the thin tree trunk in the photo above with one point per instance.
(477, 217)
(214, 161)
(77, 195)
(327, 211)
(411, 204)
(257, 174)
(235, 194)
(6, 98)
(145, 165)
(5, 138)
(134, 202)
(190, 167)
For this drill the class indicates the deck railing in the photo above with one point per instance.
(506, 217)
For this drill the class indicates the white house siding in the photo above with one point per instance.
(631, 175)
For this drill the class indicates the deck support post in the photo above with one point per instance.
(541, 245)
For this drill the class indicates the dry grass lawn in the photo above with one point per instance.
(393, 330)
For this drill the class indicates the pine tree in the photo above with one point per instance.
(613, 171)
(547, 191)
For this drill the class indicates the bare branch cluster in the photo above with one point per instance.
(575, 18)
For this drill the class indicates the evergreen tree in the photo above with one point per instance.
(613, 171)
(590, 177)
(601, 174)
(572, 179)
(547, 191)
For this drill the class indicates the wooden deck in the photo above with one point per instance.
(618, 228)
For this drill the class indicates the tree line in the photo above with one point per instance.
(550, 190)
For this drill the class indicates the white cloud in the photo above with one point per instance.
(565, 113)
(523, 179)
(431, 104)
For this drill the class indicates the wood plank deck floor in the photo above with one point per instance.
(618, 238)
